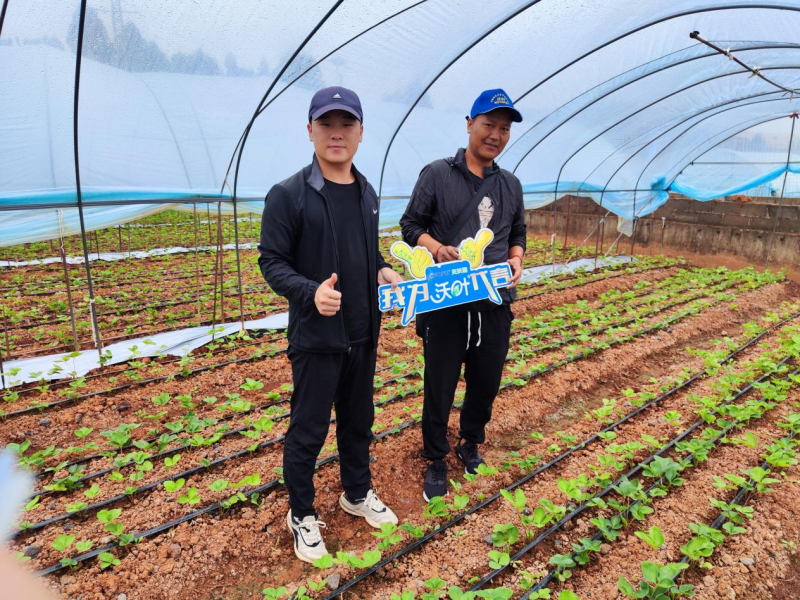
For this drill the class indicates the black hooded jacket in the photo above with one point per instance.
(298, 251)
(442, 191)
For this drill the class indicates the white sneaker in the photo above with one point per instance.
(308, 544)
(372, 509)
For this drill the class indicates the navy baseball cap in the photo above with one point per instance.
(335, 98)
(492, 100)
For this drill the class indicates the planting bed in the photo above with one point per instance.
(640, 406)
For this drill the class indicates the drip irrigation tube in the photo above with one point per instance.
(140, 309)
(598, 536)
(255, 341)
(69, 401)
(380, 403)
(740, 495)
(595, 280)
(191, 516)
(539, 470)
(254, 314)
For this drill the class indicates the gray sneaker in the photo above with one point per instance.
(308, 544)
(371, 508)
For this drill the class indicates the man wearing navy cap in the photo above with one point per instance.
(452, 199)
(319, 249)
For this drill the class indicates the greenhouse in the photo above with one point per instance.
(630, 373)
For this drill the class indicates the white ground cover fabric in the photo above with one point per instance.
(180, 343)
(542, 272)
(174, 343)
(113, 256)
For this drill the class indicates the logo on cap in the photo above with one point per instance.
(337, 97)
(499, 99)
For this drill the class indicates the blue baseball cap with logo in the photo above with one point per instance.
(492, 100)
(335, 98)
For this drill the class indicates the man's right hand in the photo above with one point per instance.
(327, 299)
(446, 254)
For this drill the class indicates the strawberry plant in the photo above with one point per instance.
(517, 499)
(251, 385)
(76, 507)
(161, 399)
(174, 486)
(192, 496)
(323, 562)
(436, 508)
(435, 587)
(698, 548)
(563, 562)
(121, 436)
(414, 532)
(498, 560)
(63, 542)
(83, 432)
(352, 560)
(107, 560)
(654, 537)
(92, 492)
(658, 582)
(388, 535)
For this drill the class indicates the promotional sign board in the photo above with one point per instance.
(446, 284)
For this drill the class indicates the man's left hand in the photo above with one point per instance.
(516, 270)
(389, 276)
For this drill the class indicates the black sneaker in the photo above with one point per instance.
(435, 480)
(467, 453)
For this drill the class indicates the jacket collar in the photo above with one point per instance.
(317, 181)
(460, 161)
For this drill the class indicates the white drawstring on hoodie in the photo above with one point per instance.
(469, 328)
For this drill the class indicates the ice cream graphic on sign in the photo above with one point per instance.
(446, 284)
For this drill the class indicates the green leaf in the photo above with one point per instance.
(460, 501)
(498, 560)
(62, 542)
(273, 593)
(371, 557)
(219, 485)
(32, 504)
(107, 516)
(191, 496)
(92, 491)
(654, 537)
(107, 560)
(324, 561)
(626, 588)
(650, 572)
(174, 486)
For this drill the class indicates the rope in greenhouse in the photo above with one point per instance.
(756, 71)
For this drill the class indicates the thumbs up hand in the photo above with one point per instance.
(326, 298)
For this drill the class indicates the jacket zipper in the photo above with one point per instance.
(336, 252)
(372, 300)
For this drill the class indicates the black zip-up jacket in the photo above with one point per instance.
(298, 251)
(442, 191)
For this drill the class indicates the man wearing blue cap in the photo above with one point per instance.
(319, 249)
(452, 199)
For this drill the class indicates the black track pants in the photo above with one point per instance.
(453, 337)
(323, 380)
